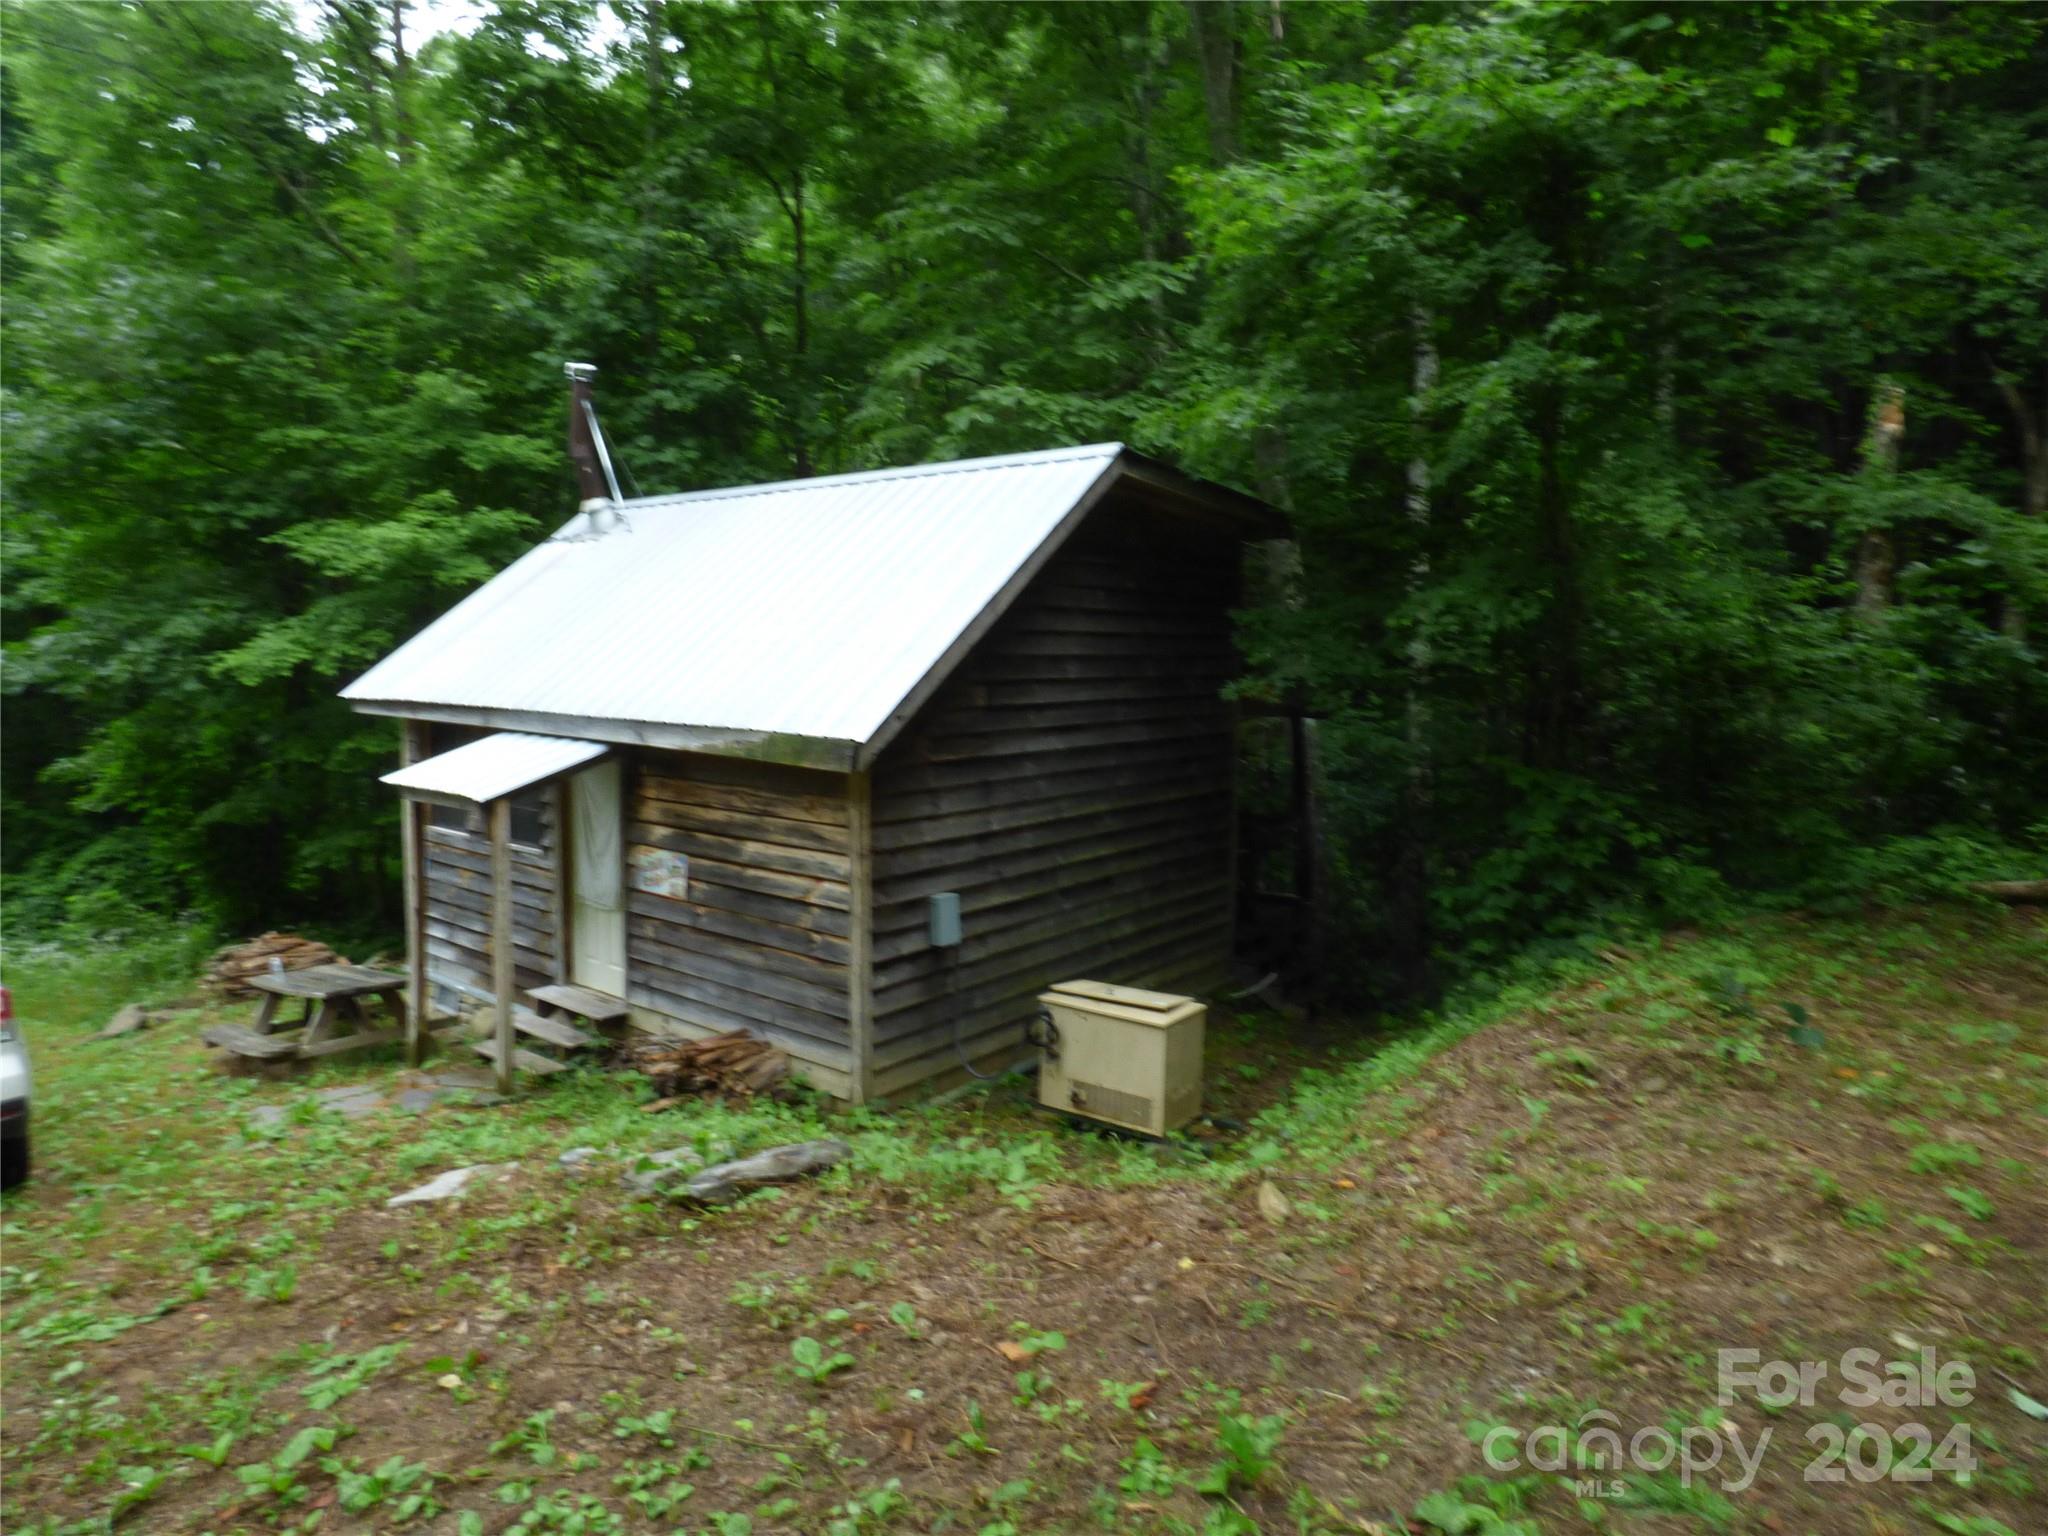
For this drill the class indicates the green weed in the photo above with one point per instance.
(813, 1363)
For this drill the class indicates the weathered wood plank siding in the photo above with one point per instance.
(763, 940)
(1072, 782)
(458, 916)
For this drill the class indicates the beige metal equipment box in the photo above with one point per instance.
(1122, 1055)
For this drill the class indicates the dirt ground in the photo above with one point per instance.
(1798, 1140)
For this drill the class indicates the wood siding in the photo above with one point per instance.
(458, 916)
(1072, 782)
(763, 941)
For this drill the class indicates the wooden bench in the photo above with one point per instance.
(247, 1043)
(332, 1021)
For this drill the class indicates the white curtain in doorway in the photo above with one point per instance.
(594, 803)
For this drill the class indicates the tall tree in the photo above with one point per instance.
(1561, 330)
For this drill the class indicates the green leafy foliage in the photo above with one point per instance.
(814, 1363)
(1247, 1445)
(1563, 335)
(904, 1316)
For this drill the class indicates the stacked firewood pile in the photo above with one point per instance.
(738, 1065)
(229, 972)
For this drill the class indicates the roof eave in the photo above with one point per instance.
(826, 753)
(1233, 512)
(1246, 515)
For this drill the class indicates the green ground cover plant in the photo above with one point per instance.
(1106, 1335)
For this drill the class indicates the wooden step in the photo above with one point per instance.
(598, 1007)
(246, 1042)
(557, 1032)
(524, 1060)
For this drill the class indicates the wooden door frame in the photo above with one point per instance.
(564, 892)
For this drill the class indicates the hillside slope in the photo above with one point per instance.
(1555, 1210)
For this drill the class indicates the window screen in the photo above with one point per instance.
(529, 807)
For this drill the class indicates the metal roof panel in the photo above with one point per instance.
(804, 608)
(498, 765)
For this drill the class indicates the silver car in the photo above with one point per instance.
(13, 1097)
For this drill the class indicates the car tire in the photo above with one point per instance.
(13, 1161)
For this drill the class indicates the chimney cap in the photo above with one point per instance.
(579, 371)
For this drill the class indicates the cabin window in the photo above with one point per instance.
(529, 806)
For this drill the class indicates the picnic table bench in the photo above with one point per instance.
(332, 1019)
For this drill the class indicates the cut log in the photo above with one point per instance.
(231, 969)
(725, 1183)
(2011, 890)
(738, 1064)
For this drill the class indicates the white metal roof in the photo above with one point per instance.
(502, 764)
(786, 621)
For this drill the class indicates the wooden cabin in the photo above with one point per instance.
(738, 758)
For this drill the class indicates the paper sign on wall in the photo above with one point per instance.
(659, 872)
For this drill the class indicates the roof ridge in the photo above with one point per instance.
(1105, 450)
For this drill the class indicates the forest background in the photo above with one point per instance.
(1660, 395)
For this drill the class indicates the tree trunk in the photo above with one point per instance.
(1311, 862)
(797, 405)
(401, 76)
(1216, 48)
(1557, 707)
(2033, 429)
(654, 69)
(2011, 890)
(1145, 202)
(800, 300)
(405, 227)
(1876, 559)
(1412, 895)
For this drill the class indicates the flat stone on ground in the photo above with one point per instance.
(413, 1091)
(447, 1186)
(455, 1077)
(127, 1022)
(354, 1100)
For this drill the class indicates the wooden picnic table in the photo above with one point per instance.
(333, 996)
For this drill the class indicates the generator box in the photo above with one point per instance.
(1122, 1055)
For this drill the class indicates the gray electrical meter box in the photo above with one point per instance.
(944, 913)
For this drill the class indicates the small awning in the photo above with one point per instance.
(496, 766)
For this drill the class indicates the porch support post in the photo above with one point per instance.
(501, 934)
(412, 828)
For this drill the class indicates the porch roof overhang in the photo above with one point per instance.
(495, 766)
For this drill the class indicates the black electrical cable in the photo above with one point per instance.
(960, 1050)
